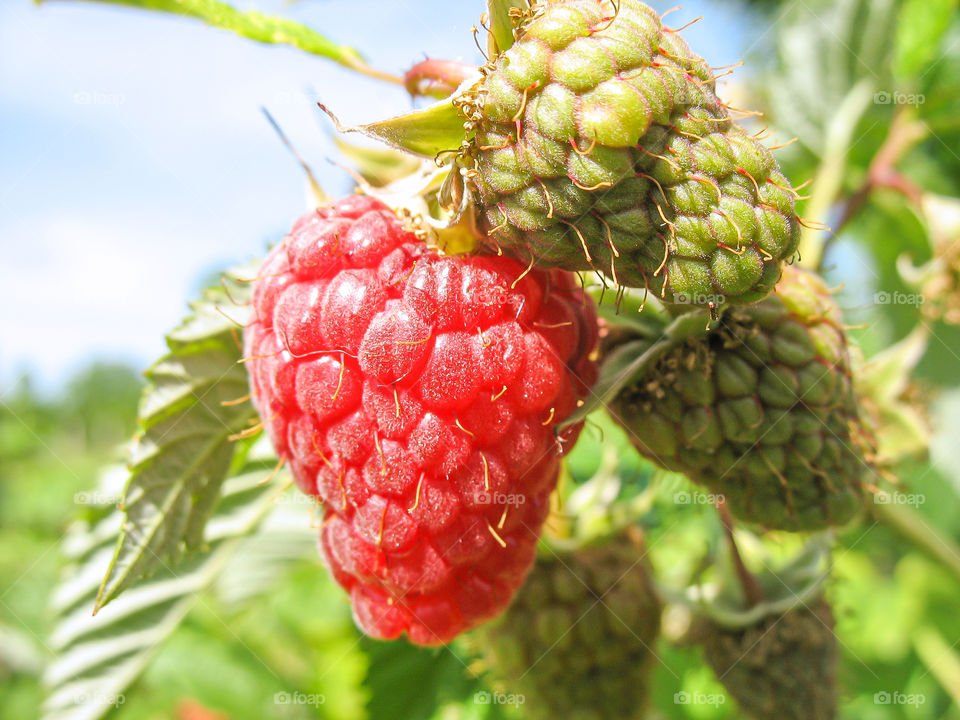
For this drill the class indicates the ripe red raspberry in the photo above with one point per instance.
(417, 396)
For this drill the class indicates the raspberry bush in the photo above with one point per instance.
(581, 416)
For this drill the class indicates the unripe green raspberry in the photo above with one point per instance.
(760, 410)
(782, 668)
(599, 144)
(579, 638)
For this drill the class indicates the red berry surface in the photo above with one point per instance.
(417, 396)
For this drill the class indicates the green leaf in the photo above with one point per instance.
(183, 453)
(823, 54)
(269, 29)
(285, 536)
(98, 657)
(940, 110)
(418, 680)
(501, 24)
(691, 324)
(920, 29)
(619, 366)
(630, 312)
(428, 132)
(627, 363)
(887, 374)
(379, 166)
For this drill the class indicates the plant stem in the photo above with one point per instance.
(904, 133)
(911, 525)
(751, 588)
(828, 182)
(362, 68)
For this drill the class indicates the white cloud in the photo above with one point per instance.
(93, 285)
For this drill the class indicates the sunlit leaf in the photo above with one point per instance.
(429, 132)
(418, 680)
(379, 166)
(269, 29)
(501, 25)
(194, 406)
(98, 657)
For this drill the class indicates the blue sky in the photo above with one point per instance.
(134, 159)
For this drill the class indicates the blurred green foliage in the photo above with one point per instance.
(51, 450)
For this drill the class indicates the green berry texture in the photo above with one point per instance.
(579, 639)
(598, 144)
(760, 410)
(782, 668)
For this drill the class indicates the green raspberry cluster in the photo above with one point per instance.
(782, 667)
(760, 410)
(579, 638)
(598, 143)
